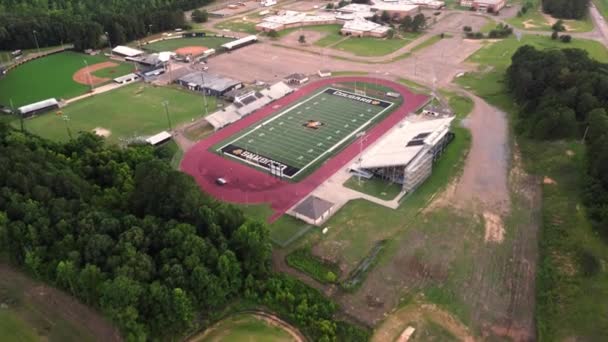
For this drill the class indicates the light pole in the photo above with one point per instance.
(362, 137)
(88, 74)
(66, 119)
(109, 43)
(204, 93)
(166, 105)
(36, 40)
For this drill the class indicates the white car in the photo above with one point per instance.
(221, 181)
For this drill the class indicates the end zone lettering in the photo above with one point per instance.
(259, 160)
(359, 98)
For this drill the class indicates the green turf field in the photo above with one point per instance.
(306, 133)
(244, 328)
(133, 110)
(48, 77)
(174, 44)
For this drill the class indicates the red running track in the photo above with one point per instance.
(249, 185)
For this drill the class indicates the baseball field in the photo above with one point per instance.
(174, 44)
(132, 111)
(51, 76)
(244, 327)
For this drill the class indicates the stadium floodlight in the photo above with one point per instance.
(109, 42)
(166, 105)
(36, 40)
(362, 138)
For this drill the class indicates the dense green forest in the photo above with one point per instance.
(564, 94)
(567, 9)
(123, 232)
(84, 22)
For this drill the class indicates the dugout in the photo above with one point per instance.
(38, 107)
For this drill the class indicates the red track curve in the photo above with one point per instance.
(249, 185)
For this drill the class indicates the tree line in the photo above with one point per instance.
(85, 22)
(123, 232)
(564, 95)
(566, 9)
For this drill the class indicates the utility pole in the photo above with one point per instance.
(36, 40)
(109, 43)
(361, 136)
(204, 93)
(20, 115)
(66, 119)
(166, 105)
(88, 74)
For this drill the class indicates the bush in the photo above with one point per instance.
(589, 264)
(566, 38)
(322, 271)
(554, 35)
(467, 29)
(199, 16)
(330, 6)
(559, 26)
(273, 34)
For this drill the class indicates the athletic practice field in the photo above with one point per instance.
(308, 132)
(174, 44)
(52, 76)
(127, 112)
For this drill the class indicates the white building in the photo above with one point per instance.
(405, 155)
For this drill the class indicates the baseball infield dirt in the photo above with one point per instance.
(85, 75)
(191, 50)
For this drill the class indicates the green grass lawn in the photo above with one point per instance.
(283, 231)
(133, 110)
(369, 46)
(569, 305)
(174, 44)
(13, 328)
(47, 77)
(237, 25)
(428, 42)
(602, 6)
(243, 327)
(359, 225)
(533, 20)
(375, 186)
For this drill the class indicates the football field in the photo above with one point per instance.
(306, 133)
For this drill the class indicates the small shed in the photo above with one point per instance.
(313, 210)
(159, 138)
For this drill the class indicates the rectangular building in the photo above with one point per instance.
(208, 83)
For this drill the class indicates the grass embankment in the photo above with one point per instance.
(244, 327)
(535, 20)
(375, 186)
(569, 303)
(303, 260)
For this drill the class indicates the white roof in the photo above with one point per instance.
(276, 91)
(394, 7)
(393, 149)
(158, 138)
(238, 42)
(127, 51)
(364, 26)
(222, 118)
(37, 105)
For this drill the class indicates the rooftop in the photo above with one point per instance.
(127, 51)
(403, 143)
(313, 207)
(209, 81)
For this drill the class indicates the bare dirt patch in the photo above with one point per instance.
(549, 181)
(191, 50)
(495, 230)
(529, 24)
(85, 75)
(416, 315)
(102, 132)
(570, 153)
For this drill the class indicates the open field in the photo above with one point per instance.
(244, 327)
(238, 25)
(568, 302)
(174, 44)
(48, 77)
(602, 6)
(31, 311)
(283, 231)
(130, 111)
(535, 20)
(308, 132)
